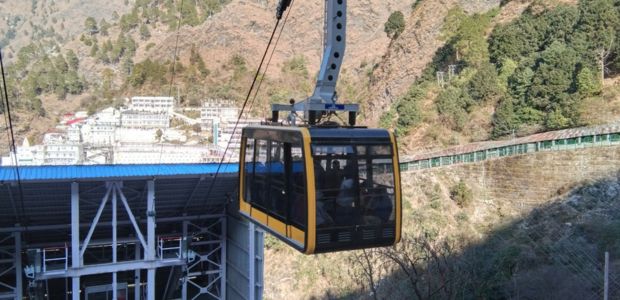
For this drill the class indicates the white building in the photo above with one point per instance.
(26, 155)
(58, 150)
(163, 154)
(63, 154)
(55, 151)
(217, 111)
(109, 116)
(100, 128)
(145, 119)
(136, 135)
(152, 104)
(74, 134)
(225, 134)
(99, 134)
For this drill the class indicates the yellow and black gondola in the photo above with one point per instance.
(322, 189)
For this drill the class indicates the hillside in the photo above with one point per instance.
(530, 225)
(130, 53)
(26, 21)
(517, 69)
(451, 72)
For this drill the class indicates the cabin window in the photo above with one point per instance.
(379, 202)
(249, 168)
(260, 184)
(276, 181)
(277, 198)
(298, 208)
(354, 185)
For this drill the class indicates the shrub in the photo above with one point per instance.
(395, 25)
(453, 105)
(461, 194)
(409, 113)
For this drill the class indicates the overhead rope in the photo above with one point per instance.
(13, 149)
(174, 69)
(283, 5)
(262, 79)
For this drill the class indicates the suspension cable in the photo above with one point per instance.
(174, 69)
(12, 136)
(245, 102)
(260, 83)
(273, 50)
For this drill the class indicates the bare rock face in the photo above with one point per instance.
(244, 27)
(410, 53)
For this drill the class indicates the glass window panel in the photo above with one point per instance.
(354, 187)
(361, 150)
(381, 150)
(298, 208)
(260, 183)
(377, 200)
(276, 203)
(249, 168)
(332, 149)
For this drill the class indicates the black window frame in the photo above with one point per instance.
(288, 141)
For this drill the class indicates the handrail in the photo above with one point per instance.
(551, 141)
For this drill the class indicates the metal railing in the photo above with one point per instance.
(558, 144)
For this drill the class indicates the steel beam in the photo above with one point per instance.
(122, 266)
(18, 266)
(76, 257)
(114, 242)
(131, 217)
(137, 273)
(68, 226)
(150, 250)
(223, 259)
(96, 221)
(252, 260)
(185, 268)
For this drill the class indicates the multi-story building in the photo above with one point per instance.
(216, 111)
(153, 104)
(226, 136)
(109, 116)
(63, 154)
(145, 119)
(58, 151)
(99, 134)
(26, 155)
(74, 133)
(163, 154)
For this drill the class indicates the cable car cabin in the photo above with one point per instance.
(322, 189)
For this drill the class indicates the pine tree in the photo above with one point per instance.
(395, 25)
(504, 119)
(91, 25)
(145, 34)
(73, 60)
(587, 83)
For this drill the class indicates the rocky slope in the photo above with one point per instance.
(63, 20)
(534, 221)
(408, 55)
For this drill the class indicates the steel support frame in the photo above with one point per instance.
(13, 264)
(78, 269)
(208, 250)
(214, 260)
